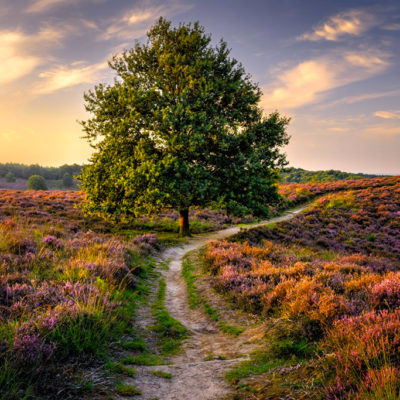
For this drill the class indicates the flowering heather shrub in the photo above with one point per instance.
(365, 221)
(327, 278)
(147, 243)
(52, 242)
(296, 193)
(367, 356)
(60, 276)
(386, 294)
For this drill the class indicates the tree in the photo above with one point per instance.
(10, 177)
(36, 182)
(180, 127)
(67, 180)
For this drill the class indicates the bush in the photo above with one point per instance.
(10, 177)
(67, 180)
(36, 182)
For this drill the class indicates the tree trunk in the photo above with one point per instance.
(184, 223)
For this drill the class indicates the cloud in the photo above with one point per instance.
(392, 27)
(13, 63)
(61, 76)
(353, 23)
(300, 85)
(382, 130)
(19, 52)
(368, 61)
(40, 6)
(306, 82)
(390, 114)
(363, 97)
(136, 21)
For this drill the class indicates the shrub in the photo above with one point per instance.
(10, 177)
(67, 180)
(36, 182)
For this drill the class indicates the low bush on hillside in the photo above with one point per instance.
(328, 284)
(66, 291)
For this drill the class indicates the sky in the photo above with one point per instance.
(333, 66)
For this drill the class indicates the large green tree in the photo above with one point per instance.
(180, 127)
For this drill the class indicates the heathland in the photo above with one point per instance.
(82, 301)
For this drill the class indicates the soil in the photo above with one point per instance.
(208, 353)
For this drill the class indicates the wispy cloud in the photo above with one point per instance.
(388, 114)
(136, 21)
(19, 52)
(381, 130)
(306, 82)
(61, 76)
(40, 6)
(363, 97)
(353, 22)
(392, 27)
(13, 63)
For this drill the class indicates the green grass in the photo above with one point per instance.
(137, 344)
(259, 363)
(120, 368)
(171, 332)
(187, 272)
(230, 329)
(164, 265)
(162, 374)
(195, 299)
(143, 359)
(127, 390)
(211, 311)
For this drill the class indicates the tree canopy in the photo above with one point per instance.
(300, 175)
(180, 126)
(36, 182)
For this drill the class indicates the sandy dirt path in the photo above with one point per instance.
(194, 375)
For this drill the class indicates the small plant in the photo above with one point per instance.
(127, 390)
(170, 331)
(143, 359)
(162, 374)
(137, 344)
(120, 368)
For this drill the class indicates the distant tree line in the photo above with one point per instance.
(22, 171)
(300, 175)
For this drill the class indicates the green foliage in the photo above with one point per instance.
(162, 374)
(127, 390)
(195, 299)
(67, 180)
(137, 344)
(36, 182)
(170, 331)
(180, 127)
(259, 363)
(143, 359)
(230, 329)
(50, 173)
(300, 175)
(193, 295)
(84, 334)
(120, 368)
(10, 177)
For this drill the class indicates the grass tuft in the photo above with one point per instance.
(162, 374)
(127, 390)
(170, 331)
